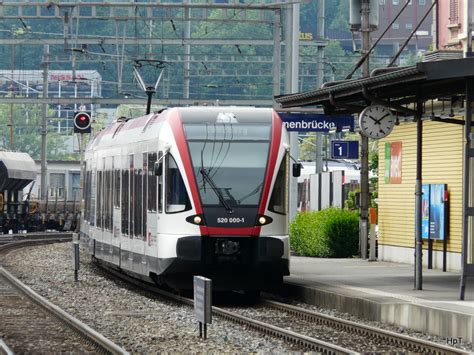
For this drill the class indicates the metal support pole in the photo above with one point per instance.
(276, 66)
(291, 86)
(320, 79)
(364, 141)
(418, 199)
(470, 11)
(466, 266)
(44, 127)
(187, 50)
(149, 92)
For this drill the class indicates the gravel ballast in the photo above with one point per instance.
(139, 321)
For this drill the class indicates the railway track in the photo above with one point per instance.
(391, 341)
(30, 323)
(301, 340)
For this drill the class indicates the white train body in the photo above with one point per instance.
(191, 191)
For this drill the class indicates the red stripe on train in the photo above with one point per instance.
(174, 119)
(272, 159)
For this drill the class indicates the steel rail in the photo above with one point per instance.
(103, 344)
(284, 334)
(407, 342)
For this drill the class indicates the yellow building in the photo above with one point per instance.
(442, 164)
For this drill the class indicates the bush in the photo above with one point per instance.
(330, 233)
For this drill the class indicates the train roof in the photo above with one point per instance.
(122, 130)
(225, 114)
(16, 170)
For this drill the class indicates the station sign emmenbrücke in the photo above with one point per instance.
(299, 122)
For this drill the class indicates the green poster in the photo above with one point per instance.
(387, 163)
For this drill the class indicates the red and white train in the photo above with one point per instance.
(191, 191)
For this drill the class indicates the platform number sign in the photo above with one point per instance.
(344, 149)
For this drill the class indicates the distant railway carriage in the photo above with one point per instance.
(190, 191)
(20, 207)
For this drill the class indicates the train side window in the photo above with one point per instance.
(87, 195)
(110, 190)
(151, 182)
(145, 193)
(138, 194)
(117, 188)
(99, 199)
(160, 187)
(93, 197)
(177, 199)
(125, 194)
(278, 203)
(132, 198)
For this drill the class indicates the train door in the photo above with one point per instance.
(126, 257)
(100, 247)
(161, 217)
(177, 207)
(151, 209)
(138, 195)
(116, 221)
(107, 209)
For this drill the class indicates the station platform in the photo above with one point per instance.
(385, 292)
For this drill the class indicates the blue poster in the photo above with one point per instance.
(425, 212)
(437, 211)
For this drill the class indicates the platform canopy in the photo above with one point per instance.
(16, 170)
(394, 87)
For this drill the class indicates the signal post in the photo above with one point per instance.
(82, 124)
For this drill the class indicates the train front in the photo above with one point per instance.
(238, 181)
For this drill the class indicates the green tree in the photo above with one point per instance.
(27, 120)
(307, 146)
(341, 15)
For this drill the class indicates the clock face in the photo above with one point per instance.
(376, 121)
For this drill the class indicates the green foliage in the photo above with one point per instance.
(350, 203)
(330, 233)
(374, 162)
(27, 132)
(341, 17)
(307, 149)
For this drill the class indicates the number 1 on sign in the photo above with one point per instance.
(340, 150)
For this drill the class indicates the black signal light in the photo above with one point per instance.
(82, 122)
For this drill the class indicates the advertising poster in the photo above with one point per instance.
(437, 211)
(388, 154)
(425, 212)
(396, 163)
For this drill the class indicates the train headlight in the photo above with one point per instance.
(263, 220)
(195, 219)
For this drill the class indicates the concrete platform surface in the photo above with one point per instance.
(384, 291)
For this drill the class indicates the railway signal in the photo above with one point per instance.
(82, 122)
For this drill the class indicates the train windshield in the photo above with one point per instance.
(229, 162)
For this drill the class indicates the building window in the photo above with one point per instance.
(422, 2)
(381, 2)
(395, 2)
(74, 185)
(57, 183)
(453, 12)
(395, 26)
(408, 26)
